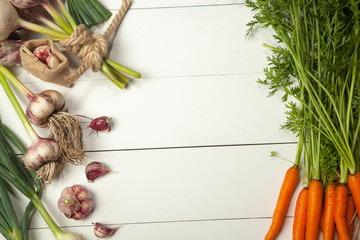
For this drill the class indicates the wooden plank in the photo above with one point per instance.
(202, 230)
(178, 185)
(136, 4)
(170, 112)
(185, 42)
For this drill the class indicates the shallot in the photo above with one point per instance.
(75, 202)
(94, 170)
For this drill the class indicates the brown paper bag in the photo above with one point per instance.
(39, 69)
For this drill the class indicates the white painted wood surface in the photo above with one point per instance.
(191, 140)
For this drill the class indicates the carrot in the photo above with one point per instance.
(328, 224)
(350, 214)
(341, 199)
(322, 219)
(314, 210)
(354, 186)
(300, 215)
(286, 191)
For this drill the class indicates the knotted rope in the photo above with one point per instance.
(92, 48)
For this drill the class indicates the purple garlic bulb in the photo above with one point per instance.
(75, 202)
(41, 152)
(26, 3)
(10, 52)
(42, 105)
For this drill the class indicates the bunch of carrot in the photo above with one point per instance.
(317, 63)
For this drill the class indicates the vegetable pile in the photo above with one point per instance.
(316, 62)
(44, 159)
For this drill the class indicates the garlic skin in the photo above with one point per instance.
(103, 232)
(75, 202)
(100, 124)
(8, 19)
(94, 170)
(10, 52)
(42, 105)
(41, 152)
(26, 3)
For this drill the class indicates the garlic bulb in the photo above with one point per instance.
(42, 105)
(42, 151)
(75, 202)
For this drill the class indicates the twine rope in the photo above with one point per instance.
(92, 48)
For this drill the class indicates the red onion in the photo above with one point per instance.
(75, 202)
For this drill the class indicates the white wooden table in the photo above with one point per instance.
(191, 140)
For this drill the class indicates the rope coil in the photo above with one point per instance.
(92, 48)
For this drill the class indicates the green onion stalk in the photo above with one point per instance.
(10, 136)
(111, 69)
(19, 177)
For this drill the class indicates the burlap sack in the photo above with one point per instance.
(40, 70)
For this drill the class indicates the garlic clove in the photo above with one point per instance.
(86, 206)
(100, 124)
(95, 169)
(103, 232)
(57, 98)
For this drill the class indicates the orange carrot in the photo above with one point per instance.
(314, 210)
(350, 214)
(286, 191)
(328, 224)
(341, 199)
(300, 215)
(354, 186)
(322, 219)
